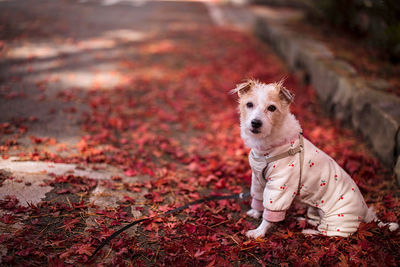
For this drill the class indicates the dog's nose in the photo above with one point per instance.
(256, 123)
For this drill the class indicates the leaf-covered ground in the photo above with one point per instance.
(173, 128)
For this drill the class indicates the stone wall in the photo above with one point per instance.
(350, 98)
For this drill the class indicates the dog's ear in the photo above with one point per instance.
(243, 88)
(284, 93)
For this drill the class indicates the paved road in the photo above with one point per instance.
(53, 55)
(57, 51)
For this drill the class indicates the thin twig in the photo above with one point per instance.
(108, 253)
(217, 224)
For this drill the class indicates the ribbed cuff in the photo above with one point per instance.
(257, 204)
(274, 216)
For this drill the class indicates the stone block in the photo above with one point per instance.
(326, 76)
(311, 49)
(342, 99)
(379, 84)
(398, 144)
(324, 80)
(280, 38)
(342, 68)
(293, 49)
(397, 171)
(377, 116)
(282, 41)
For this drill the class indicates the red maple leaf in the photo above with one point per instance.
(85, 249)
(7, 218)
(363, 230)
(190, 228)
(69, 224)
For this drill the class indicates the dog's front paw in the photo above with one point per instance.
(254, 213)
(255, 233)
(260, 231)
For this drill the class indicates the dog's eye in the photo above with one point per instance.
(271, 108)
(249, 104)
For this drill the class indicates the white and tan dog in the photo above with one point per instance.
(285, 165)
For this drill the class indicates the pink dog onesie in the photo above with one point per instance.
(334, 200)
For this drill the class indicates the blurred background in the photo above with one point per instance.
(114, 110)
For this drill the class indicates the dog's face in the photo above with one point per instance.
(262, 107)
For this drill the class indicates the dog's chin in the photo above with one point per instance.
(251, 135)
(255, 134)
(250, 132)
(253, 138)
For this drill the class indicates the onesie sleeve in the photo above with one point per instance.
(256, 191)
(279, 192)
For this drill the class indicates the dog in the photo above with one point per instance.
(285, 165)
